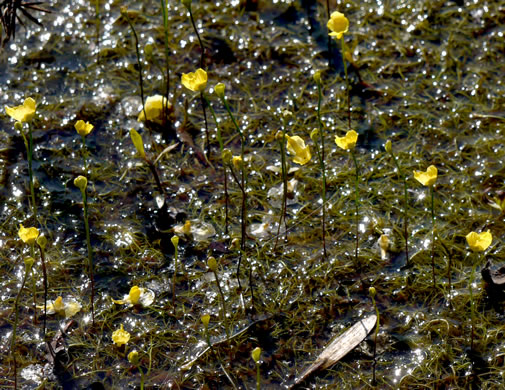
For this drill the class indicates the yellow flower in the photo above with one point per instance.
(67, 308)
(22, 113)
(237, 161)
(28, 235)
(120, 336)
(195, 81)
(83, 128)
(427, 178)
(338, 24)
(205, 320)
(479, 242)
(137, 295)
(256, 354)
(347, 142)
(154, 109)
(219, 90)
(296, 146)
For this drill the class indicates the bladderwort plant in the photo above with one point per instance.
(219, 90)
(256, 357)
(242, 184)
(29, 261)
(321, 155)
(187, 4)
(478, 242)
(389, 149)
(348, 142)
(429, 179)
(134, 359)
(175, 243)
(24, 114)
(83, 129)
(82, 183)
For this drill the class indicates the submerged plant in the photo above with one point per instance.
(133, 358)
(372, 292)
(212, 264)
(82, 183)
(428, 179)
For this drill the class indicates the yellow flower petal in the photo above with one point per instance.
(347, 142)
(154, 107)
(28, 235)
(195, 81)
(296, 145)
(338, 24)
(479, 242)
(134, 295)
(427, 178)
(83, 128)
(120, 336)
(22, 113)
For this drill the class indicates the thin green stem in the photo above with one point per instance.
(197, 35)
(472, 309)
(29, 151)
(356, 204)
(405, 208)
(347, 84)
(204, 108)
(258, 377)
(44, 276)
(84, 151)
(285, 189)
(433, 235)
(167, 51)
(322, 163)
(377, 313)
(174, 278)
(90, 255)
(223, 304)
(139, 62)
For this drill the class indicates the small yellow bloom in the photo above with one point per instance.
(347, 142)
(120, 336)
(296, 146)
(28, 235)
(22, 113)
(83, 128)
(205, 320)
(154, 109)
(195, 81)
(479, 242)
(338, 24)
(427, 178)
(133, 357)
(212, 263)
(136, 296)
(65, 308)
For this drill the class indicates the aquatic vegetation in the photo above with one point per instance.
(256, 356)
(436, 94)
(212, 265)
(373, 292)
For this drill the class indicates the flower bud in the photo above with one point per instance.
(317, 77)
(42, 241)
(212, 264)
(148, 50)
(237, 162)
(205, 320)
(388, 146)
(81, 182)
(175, 241)
(18, 126)
(219, 90)
(314, 134)
(226, 156)
(279, 135)
(29, 261)
(186, 3)
(133, 357)
(256, 354)
(124, 10)
(372, 292)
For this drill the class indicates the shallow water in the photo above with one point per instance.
(426, 76)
